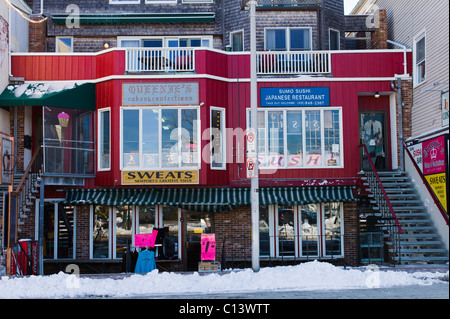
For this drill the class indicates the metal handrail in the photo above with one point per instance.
(433, 195)
(383, 192)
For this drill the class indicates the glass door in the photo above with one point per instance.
(197, 223)
(372, 134)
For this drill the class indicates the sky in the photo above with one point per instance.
(349, 5)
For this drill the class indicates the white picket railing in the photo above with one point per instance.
(160, 60)
(293, 62)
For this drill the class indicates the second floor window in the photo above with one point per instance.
(159, 138)
(288, 39)
(419, 59)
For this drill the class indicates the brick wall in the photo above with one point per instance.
(380, 36)
(351, 234)
(82, 232)
(37, 34)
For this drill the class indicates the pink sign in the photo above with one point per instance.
(434, 156)
(208, 247)
(145, 240)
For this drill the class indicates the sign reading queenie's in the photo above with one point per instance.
(160, 94)
(295, 96)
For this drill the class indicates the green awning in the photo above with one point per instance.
(137, 18)
(52, 94)
(209, 199)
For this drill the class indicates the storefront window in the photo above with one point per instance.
(146, 219)
(333, 231)
(160, 138)
(123, 229)
(264, 231)
(299, 137)
(309, 229)
(100, 232)
(286, 233)
(104, 159)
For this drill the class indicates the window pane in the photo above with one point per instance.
(300, 39)
(100, 232)
(123, 229)
(310, 230)
(157, 43)
(150, 138)
(313, 139)
(217, 147)
(332, 216)
(294, 138)
(49, 231)
(104, 140)
(170, 222)
(65, 231)
(237, 41)
(276, 140)
(420, 50)
(332, 138)
(146, 219)
(286, 230)
(276, 39)
(334, 40)
(264, 237)
(130, 43)
(196, 42)
(189, 137)
(64, 45)
(169, 122)
(130, 138)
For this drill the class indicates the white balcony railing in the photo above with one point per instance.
(285, 62)
(160, 60)
(268, 63)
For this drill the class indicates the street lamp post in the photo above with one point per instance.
(254, 197)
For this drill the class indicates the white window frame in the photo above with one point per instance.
(160, 108)
(222, 137)
(274, 233)
(322, 133)
(323, 230)
(63, 37)
(421, 35)
(91, 235)
(165, 40)
(231, 39)
(288, 38)
(338, 39)
(100, 140)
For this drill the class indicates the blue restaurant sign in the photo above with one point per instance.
(295, 96)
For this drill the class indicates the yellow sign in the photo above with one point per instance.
(159, 177)
(438, 184)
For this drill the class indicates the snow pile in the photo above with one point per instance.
(307, 276)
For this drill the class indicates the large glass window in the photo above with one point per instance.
(332, 214)
(171, 244)
(123, 229)
(160, 138)
(100, 232)
(309, 215)
(299, 137)
(286, 231)
(264, 231)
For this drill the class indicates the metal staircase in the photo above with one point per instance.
(419, 241)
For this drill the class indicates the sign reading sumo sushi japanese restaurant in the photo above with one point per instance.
(159, 177)
(152, 94)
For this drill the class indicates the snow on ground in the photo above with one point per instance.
(303, 277)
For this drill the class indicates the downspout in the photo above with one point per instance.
(400, 119)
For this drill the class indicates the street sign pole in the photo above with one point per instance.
(254, 188)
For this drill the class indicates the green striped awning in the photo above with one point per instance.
(132, 18)
(208, 199)
(52, 94)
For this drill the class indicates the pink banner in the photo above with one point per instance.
(434, 156)
(208, 247)
(145, 240)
